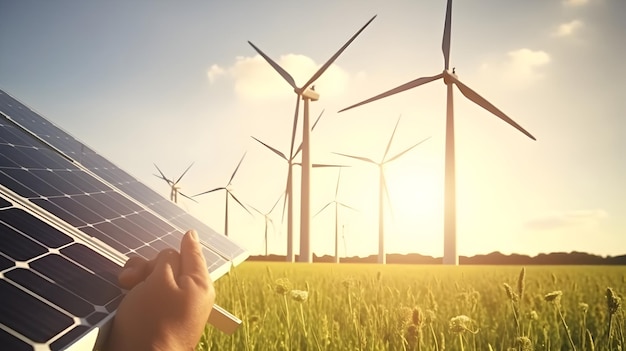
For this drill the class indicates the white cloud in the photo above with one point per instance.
(567, 220)
(254, 78)
(567, 29)
(520, 68)
(575, 2)
(214, 72)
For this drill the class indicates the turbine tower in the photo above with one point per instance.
(382, 256)
(228, 194)
(337, 204)
(174, 188)
(288, 202)
(450, 255)
(306, 95)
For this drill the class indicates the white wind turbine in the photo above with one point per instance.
(382, 257)
(228, 194)
(450, 255)
(289, 189)
(337, 204)
(268, 219)
(307, 95)
(174, 188)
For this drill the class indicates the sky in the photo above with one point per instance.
(167, 83)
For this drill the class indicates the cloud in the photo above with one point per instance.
(567, 220)
(520, 67)
(254, 78)
(214, 72)
(567, 29)
(574, 3)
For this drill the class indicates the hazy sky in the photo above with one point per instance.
(172, 83)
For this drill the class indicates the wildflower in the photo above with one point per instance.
(282, 286)
(532, 315)
(299, 295)
(583, 307)
(613, 301)
(524, 343)
(460, 324)
(554, 296)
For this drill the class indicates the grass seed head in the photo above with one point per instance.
(460, 324)
(554, 296)
(613, 301)
(524, 343)
(417, 317)
(510, 293)
(521, 282)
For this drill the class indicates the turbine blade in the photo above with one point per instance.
(334, 57)
(287, 194)
(445, 43)
(321, 165)
(189, 197)
(209, 191)
(295, 126)
(401, 88)
(357, 157)
(239, 202)
(317, 120)
(347, 206)
(480, 101)
(391, 139)
(286, 76)
(275, 203)
(236, 169)
(337, 187)
(182, 175)
(169, 182)
(272, 149)
(405, 151)
(322, 209)
(254, 208)
(162, 175)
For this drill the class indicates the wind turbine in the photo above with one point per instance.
(307, 95)
(174, 188)
(382, 257)
(229, 192)
(268, 219)
(337, 204)
(289, 189)
(450, 255)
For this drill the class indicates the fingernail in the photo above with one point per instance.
(193, 235)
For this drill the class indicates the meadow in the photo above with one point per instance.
(404, 307)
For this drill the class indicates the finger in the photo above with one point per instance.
(133, 273)
(193, 263)
(166, 267)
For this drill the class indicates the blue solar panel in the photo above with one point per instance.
(68, 220)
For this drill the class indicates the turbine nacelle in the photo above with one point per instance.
(309, 94)
(447, 74)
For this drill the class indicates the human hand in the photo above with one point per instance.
(169, 301)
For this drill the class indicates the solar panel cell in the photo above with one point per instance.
(39, 328)
(19, 247)
(34, 227)
(13, 343)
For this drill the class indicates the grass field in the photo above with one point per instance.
(402, 307)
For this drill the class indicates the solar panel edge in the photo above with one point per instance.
(236, 260)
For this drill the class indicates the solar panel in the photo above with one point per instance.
(68, 219)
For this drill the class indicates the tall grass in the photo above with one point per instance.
(401, 307)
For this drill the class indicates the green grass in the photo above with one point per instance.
(403, 307)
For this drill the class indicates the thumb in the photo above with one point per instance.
(192, 259)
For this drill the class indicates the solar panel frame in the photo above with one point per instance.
(57, 179)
